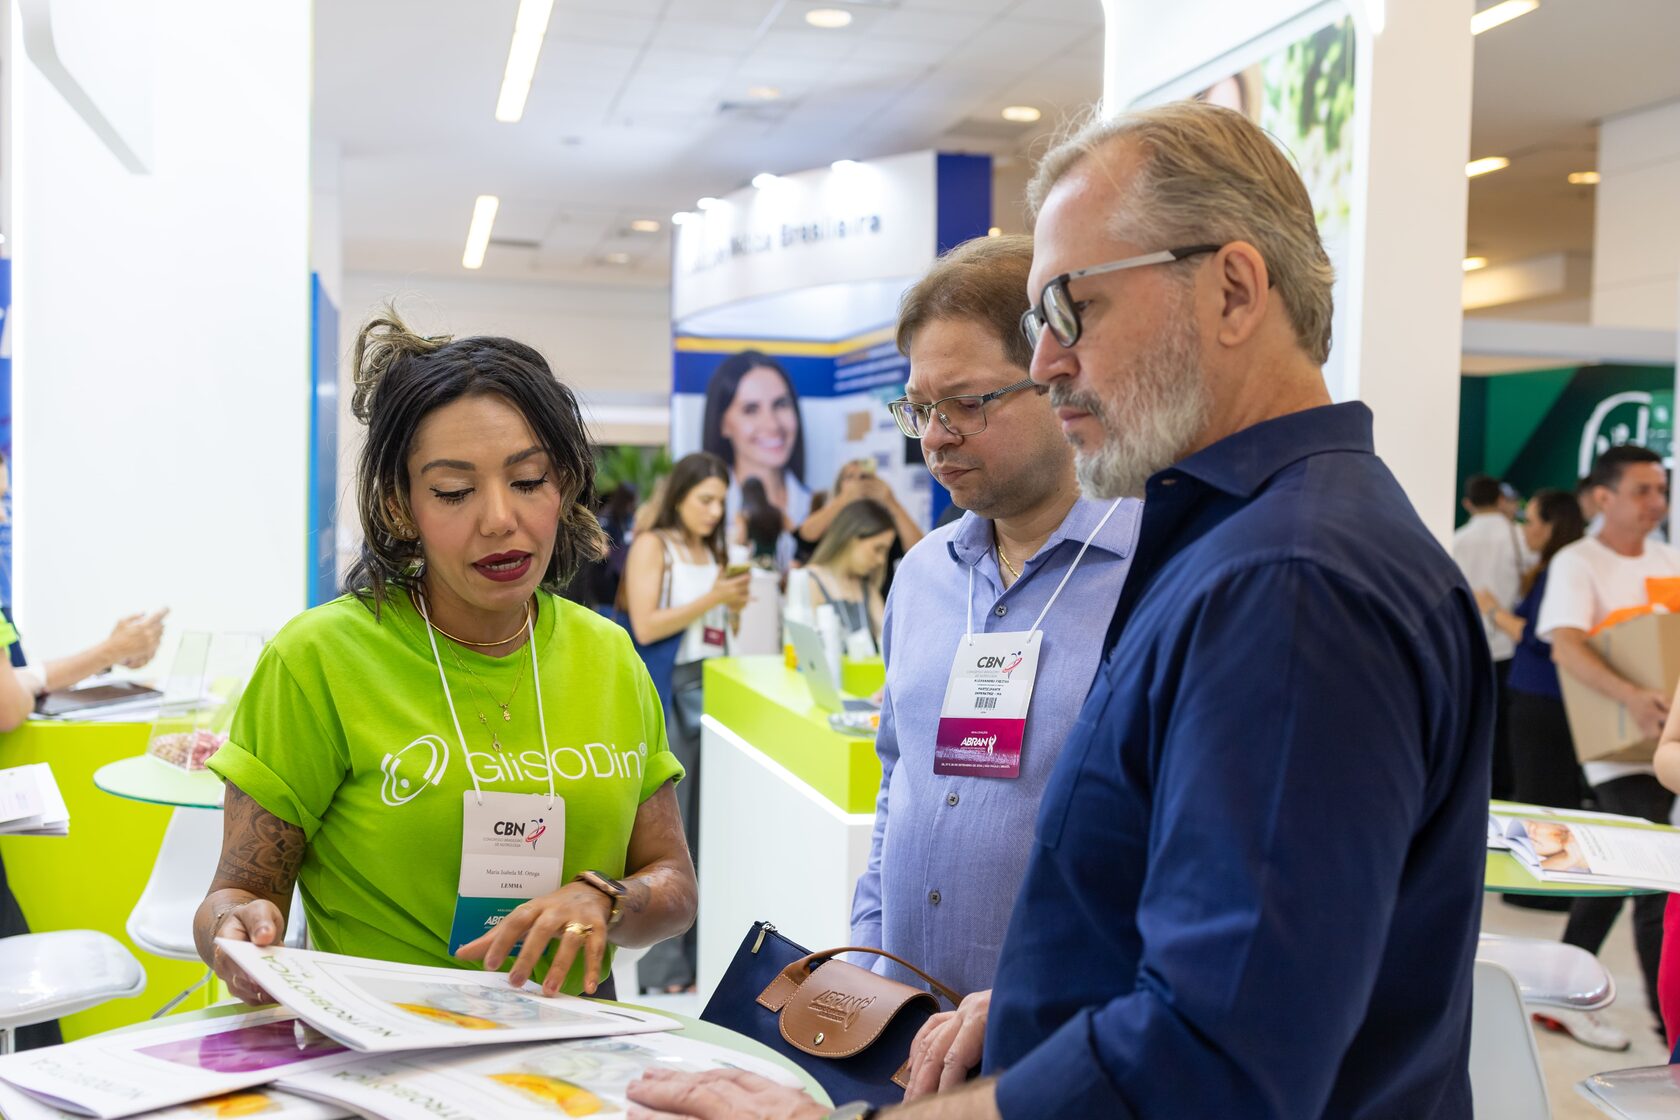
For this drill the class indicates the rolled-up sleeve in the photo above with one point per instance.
(1287, 790)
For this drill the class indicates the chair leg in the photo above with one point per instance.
(196, 985)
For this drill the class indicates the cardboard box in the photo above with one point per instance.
(1645, 650)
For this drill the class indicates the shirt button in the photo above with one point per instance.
(1002, 610)
(933, 897)
(951, 799)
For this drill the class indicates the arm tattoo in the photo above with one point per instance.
(260, 852)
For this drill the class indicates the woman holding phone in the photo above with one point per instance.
(677, 589)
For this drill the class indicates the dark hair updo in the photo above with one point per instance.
(400, 379)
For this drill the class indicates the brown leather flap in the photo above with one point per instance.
(839, 1009)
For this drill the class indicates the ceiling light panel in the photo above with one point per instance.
(530, 25)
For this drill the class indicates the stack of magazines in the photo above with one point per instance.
(355, 1037)
(1590, 849)
(30, 802)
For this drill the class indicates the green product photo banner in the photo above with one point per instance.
(1545, 427)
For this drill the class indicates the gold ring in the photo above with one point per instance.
(582, 929)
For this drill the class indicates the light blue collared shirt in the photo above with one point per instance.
(949, 852)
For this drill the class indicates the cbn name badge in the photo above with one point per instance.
(512, 845)
(984, 717)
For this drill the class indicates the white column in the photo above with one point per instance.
(161, 347)
(1413, 132)
(1636, 226)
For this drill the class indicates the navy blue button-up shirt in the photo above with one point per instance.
(1256, 878)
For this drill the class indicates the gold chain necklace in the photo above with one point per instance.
(463, 641)
(1014, 572)
(507, 716)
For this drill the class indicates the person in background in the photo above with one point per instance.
(846, 572)
(475, 491)
(1586, 582)
(856, 482)
(677, 588)
(616, 518)
(761, 530)
(1667, 765)
(1543, 764)
(752, 424)
(1489, 553)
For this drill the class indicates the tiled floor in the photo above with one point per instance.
(1565, 1060)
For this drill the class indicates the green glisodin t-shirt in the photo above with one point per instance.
(343, 731)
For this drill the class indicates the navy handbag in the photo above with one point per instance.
(847, 1027)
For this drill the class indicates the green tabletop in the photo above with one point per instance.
(144, 778)
(691, 1028)
(767, 704)
(92, 878)
(1507, 875)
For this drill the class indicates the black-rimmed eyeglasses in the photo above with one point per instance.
(1059, 311)
(963, 415)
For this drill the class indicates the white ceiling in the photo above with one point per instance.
(1542, 84)
(640, 106)
(628, 115)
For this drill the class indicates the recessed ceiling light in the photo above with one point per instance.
(1471, 264)
(529, 27)
(683, 217)
(829, 19)
(844, 164)
(478, 230)
(616, 258)
(1486, 165)
(709, 202)
(1021, 114)
(764, 93)
(645, 225)
(1583, 178)
(763, 180)
(1489, 18)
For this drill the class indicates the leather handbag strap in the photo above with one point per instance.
(801, 966)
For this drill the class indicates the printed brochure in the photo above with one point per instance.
(260, 1103)
(377, 1006)
(584, 1077)
(136, 1072)
(1562, 849)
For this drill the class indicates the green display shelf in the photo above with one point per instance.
(767, 704)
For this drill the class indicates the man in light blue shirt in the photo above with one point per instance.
(950, 850)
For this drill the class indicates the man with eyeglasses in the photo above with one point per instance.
(1255, 882)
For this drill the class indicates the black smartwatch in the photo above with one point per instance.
(857, 1110)
(608, 886)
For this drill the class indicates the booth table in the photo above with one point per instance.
(786, 808)
(92, 878)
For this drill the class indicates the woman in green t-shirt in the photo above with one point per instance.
(450, 756)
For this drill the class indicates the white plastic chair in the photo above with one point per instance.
(1550, 973)
(161, 922)
(49, 975)
(1506, 1082)
(1647, 1093)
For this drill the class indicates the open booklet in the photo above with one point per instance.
(135, 1072)
(585, 1077)
(1590, 848)
(30, 802)
(1650, 1093)
(263, 1102)
(377, 1006)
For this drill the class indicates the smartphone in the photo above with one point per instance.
(736, 570)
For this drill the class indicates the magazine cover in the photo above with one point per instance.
(377, 1006)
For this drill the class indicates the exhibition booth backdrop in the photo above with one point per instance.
(799, 278)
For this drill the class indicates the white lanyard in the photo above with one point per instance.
(1054, 594)
(536, 685)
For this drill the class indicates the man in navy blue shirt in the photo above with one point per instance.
(1255, 884)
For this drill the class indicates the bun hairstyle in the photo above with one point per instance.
(400, 379)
